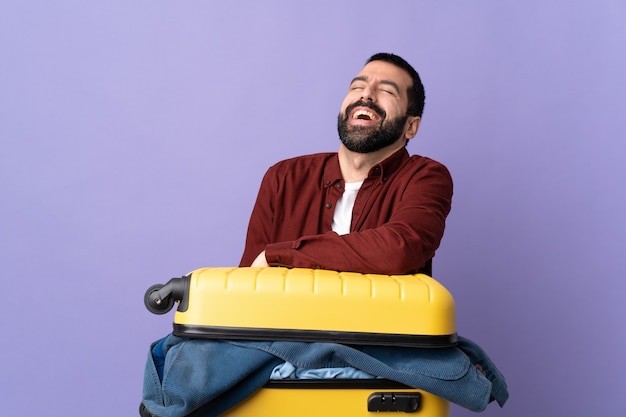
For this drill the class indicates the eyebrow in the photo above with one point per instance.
(387, 82)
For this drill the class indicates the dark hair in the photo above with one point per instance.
(416, 92)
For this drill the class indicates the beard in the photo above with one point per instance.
(366, 139)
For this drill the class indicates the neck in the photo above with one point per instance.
(356, 166)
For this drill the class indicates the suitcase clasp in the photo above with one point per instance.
(409, 402)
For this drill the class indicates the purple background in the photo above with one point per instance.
(134, 134)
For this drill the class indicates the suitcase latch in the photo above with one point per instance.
(409, 402)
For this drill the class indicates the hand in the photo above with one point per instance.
(260, 261)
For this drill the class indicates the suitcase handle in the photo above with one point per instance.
(409, 402)
(160, 298)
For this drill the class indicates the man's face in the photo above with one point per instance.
(373, 114)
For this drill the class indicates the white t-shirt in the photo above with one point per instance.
(342, 219)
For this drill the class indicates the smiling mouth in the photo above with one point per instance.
(363, 115)
(365, 111)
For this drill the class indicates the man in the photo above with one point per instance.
(368, 208)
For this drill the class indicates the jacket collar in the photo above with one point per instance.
(382, 170)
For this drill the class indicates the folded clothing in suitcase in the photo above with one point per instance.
(309, 305)
(315, 306)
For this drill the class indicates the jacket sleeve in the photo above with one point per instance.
(260, 227)
(403, 244)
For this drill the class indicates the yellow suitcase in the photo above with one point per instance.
(308, 305)
(316, 305)
(339, 398)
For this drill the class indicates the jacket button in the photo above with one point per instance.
(328, 205)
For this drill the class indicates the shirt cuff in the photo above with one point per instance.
(279, 254)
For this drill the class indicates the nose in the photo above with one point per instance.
(368, 93)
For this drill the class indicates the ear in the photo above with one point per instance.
(411, 127)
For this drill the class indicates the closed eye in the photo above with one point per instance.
(390, 87)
